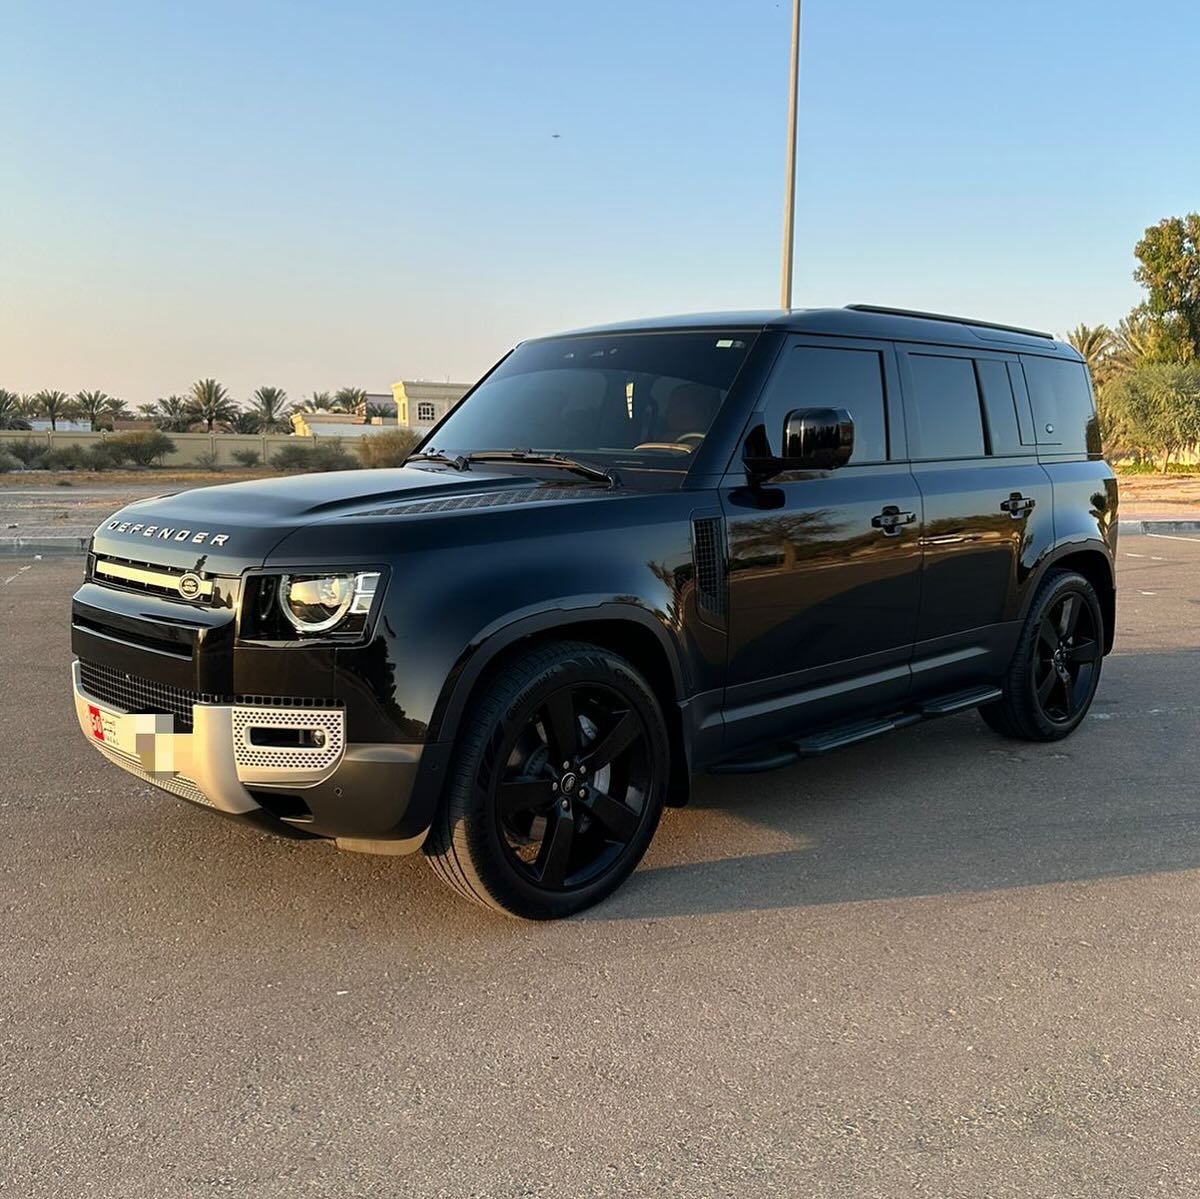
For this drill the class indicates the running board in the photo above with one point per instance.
(815, 744)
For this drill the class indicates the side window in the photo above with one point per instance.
(1001, 426)
(425, 411)
(943, 412)
(817, 377)
(1061, 398)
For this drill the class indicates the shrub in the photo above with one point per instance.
(246, 458)
(292, 457)
(209, 460)
(9, 462)
(329, 455)
(389, 448)
(67, 457)
(31, 453)
(142, 447)
(105, 455)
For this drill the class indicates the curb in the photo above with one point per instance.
(1159, 526)
(27, 546)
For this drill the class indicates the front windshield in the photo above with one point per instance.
(634, 399)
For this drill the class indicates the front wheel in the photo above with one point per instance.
(557, 785)
(1056, 667)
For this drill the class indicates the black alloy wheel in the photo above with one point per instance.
(1055, 668)
(1066, 658)
(558, 786)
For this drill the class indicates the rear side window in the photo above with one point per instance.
(1001, 427)
(1061, 398)
(943, 415)
(819, 377)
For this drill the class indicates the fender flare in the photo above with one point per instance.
(1065, 549)
(495, 638)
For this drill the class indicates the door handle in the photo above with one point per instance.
(890, 520)
(1017, 505)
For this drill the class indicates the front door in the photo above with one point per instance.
(824, 566)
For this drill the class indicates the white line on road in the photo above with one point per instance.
(16, 576)
(1172, 537)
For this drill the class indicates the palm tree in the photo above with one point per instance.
(246, 421)
(268, 408)
(349, 399)
(171, 414)
(1135, 342)
(54, 405)
(11, 416)
(115, 410)
(93, 406)
(211, 403)
(370, 411)
(319, 401)
(1095, 345)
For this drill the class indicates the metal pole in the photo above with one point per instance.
(789, 203)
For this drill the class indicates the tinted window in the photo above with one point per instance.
(999, 408)
(644, 399)
(814, 377)
(943, 412)
(1061, 399)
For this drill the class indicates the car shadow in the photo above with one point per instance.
(944, 807)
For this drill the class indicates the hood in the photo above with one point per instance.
(225, 528)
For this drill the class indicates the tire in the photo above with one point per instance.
(1055, 668)
(569, 717)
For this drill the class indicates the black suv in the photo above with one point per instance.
(722, 542)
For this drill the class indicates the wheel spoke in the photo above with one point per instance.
(555, 853)
(1046, 686)
(521, 794)
(618, 818)
(1070, 616)
(1085, 651)
(613, 743)
(1068, 689)
(562, 729)
(1048, 634)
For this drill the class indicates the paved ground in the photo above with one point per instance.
(937, 965)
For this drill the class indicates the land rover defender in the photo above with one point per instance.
(723, 543)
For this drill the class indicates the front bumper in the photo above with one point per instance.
(359, 794)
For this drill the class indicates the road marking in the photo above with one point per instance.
(16, 576)
(1135, 555)
(1172, 537)
(1147, 593)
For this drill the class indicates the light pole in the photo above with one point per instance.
(789, 202)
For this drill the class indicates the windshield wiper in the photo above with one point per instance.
(549, 458)
(455, 461)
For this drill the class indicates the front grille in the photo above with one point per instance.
(130, 574)
(128, 693)
(132, 694)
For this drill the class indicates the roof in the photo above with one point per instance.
(859, 320)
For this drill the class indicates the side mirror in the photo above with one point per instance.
(813, 439)
(818, 438)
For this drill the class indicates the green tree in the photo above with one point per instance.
(1137, 341)
(1169, 268)
(246, 421)
(319, 401)
(1095, 344)
(1152, 409)
(54, 406)
(172, 414)
(370, 411)
(349, 399)
(11, 416)
(96, 408)
(210, 403)
(269, 404)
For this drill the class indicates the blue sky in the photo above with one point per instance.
(316, 194)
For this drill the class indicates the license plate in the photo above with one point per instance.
(146, 736)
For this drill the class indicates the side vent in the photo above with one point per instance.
(708, 556)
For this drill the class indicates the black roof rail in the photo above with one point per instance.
(941, 316)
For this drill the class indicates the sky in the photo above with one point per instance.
(315, 195)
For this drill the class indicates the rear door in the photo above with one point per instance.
(987, 504)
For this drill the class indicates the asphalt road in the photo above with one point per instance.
(940, 964)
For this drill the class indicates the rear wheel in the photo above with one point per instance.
(557, 786)
(1056, 667)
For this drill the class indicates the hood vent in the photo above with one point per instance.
(489, 499)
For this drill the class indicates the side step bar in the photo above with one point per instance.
(815, 744)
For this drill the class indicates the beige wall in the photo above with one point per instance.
(188, 446)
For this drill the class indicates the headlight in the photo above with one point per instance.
(320, 603)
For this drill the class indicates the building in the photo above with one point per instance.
(421, 404)
(339, 424)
